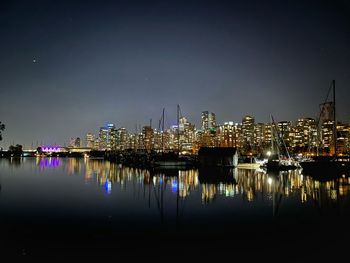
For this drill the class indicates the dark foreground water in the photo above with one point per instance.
(74, 208)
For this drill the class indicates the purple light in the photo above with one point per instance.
(50, 163)
(51, 148)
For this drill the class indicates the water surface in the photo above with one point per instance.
(77, 206)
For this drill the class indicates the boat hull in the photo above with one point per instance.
(326, 170)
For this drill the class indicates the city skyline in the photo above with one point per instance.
(67, 67)
(137, 129)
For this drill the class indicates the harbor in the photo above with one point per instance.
(175, 131)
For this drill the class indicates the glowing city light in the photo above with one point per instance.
(108, 187)
(49, 148)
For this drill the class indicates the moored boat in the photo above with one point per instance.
(331, 166)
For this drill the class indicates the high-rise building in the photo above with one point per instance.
(96, 144)
(147, 137)
(284, 131)
(343, 133)
(248, 130)
(90, 140)
(77, 142)
(304, 134)
(327, 136)
(186, 134)
(208, 120)
(122, 139)
(267, 135)
(259, 136)
(107, 137)
(227, 133)
(173, 137)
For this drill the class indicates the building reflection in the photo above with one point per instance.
(47, 162)
(250, 185)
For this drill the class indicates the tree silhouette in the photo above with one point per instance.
(2, 127)
(16, 151)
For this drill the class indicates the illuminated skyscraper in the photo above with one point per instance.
(304, 134)
(208, 120)
(248, 130)
(186, 134)
(343, 136)
(122, 139)
(327, 136)
(228, 135)
(77, 142)
(285, 131)
(259, 136)
(267, 134)
(107, 137)
(147, 137)
(90, 140)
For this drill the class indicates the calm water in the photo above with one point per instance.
(76, 206)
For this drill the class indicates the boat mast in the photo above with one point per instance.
(275, 136)
(334, 123)
(272, 136)
(163, 130)
(178, 129)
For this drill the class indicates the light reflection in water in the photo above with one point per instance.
(249, 184)
(49, 162)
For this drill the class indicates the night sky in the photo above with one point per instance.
(68, 67)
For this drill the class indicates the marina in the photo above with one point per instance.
(99, 163)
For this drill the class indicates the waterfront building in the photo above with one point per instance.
(173, 138)
(186, 135)
(248, 124)
(262, 138)
(343, 132)
(96, 144)
(107, 137)
(113, 139)
(248, 129)
(259, 132)
(228, 134)
(122, 139)
(132, 142)
(327, 137)
(139, 142)
(90, 140)
(147, 138)
(267, 134)
(208, 138)
(208, 120)
(304, 135)
(77, 142)
(157, 140)
(284, 129)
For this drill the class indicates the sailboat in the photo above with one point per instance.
(172, 159)
(277, 161)
(328, 167)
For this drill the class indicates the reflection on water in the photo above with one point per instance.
(88, 201)
(207, 186)
(49, 162)
(250, 185)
